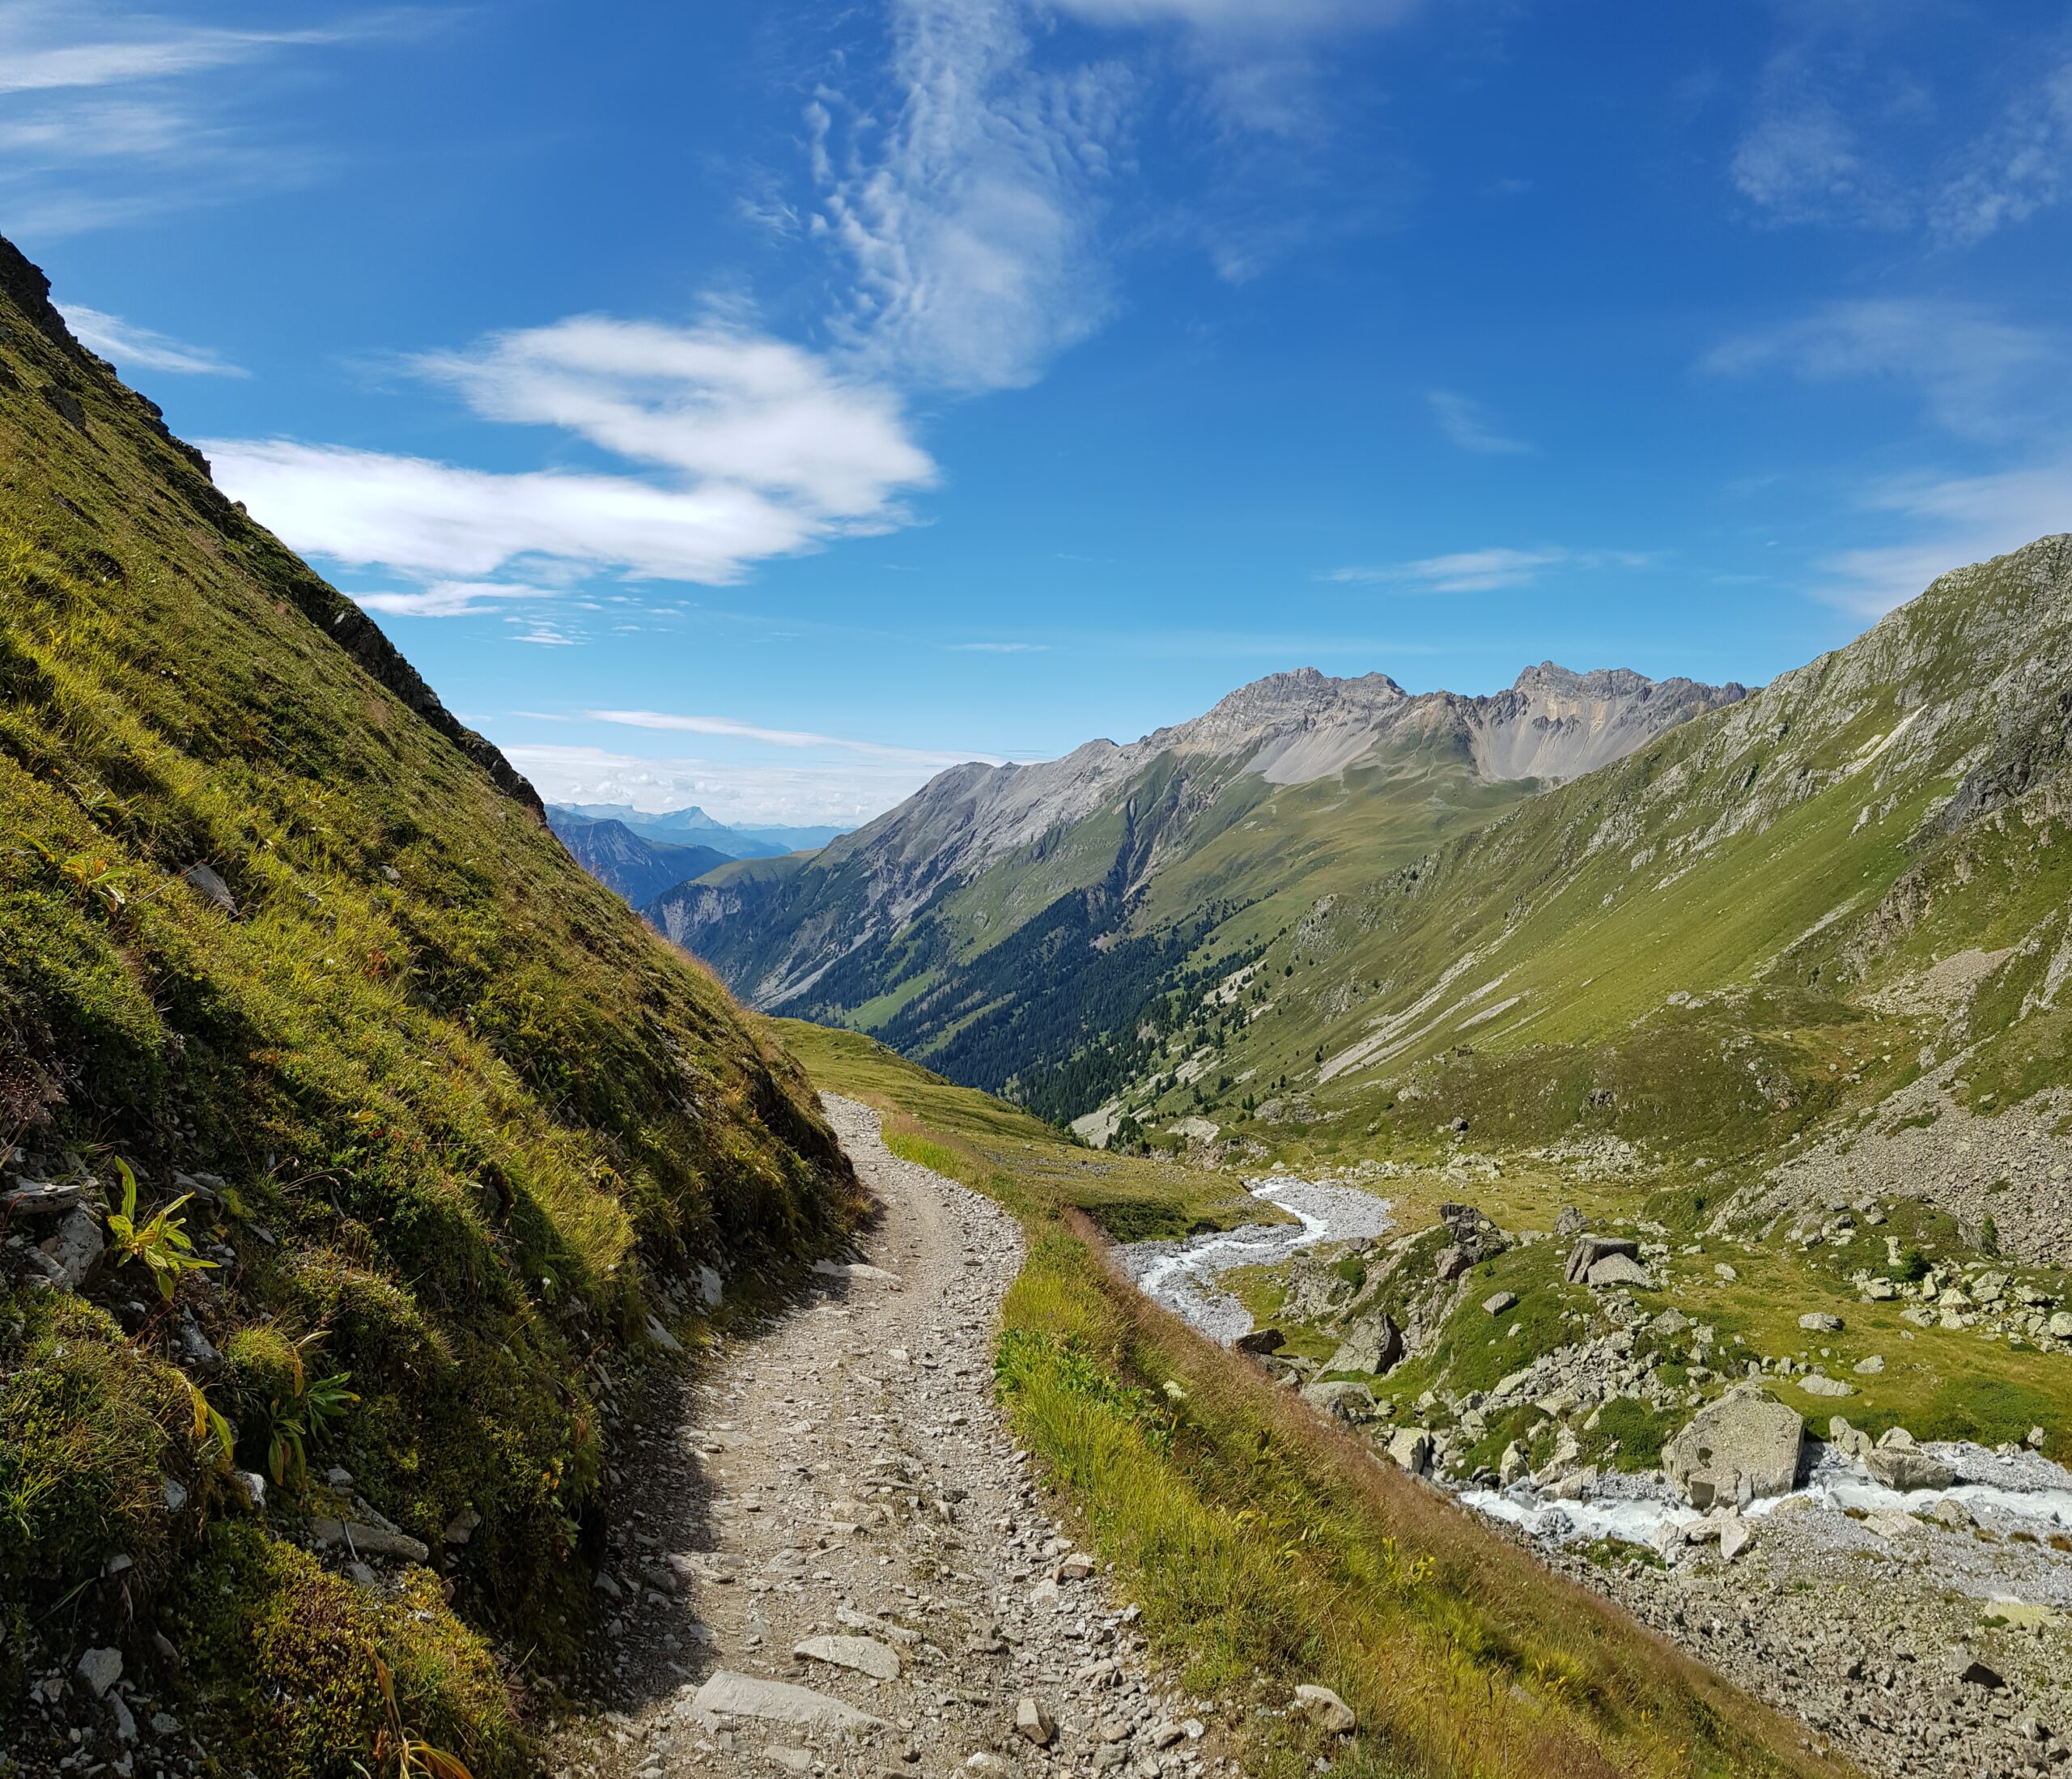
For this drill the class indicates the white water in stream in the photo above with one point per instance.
(1183, 1275)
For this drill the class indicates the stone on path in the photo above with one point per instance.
(1328, 1711)
(866, 1655)
(728, 1694)
(853, 1269)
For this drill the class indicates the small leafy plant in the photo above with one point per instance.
(311, 1405)
(210, 1424)
(413, 1758)
(163, 1244)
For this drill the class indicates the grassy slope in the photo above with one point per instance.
(1752, 858)
(1265, 1548)
(469, 1113)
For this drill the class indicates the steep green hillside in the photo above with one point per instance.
(424, 1128)
(1774, 914)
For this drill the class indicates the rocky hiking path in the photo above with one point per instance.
(838, 1563)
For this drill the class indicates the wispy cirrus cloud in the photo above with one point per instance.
(1467, 425)
(1485, 571)
(1953, 520)
(1978, 374)
(784, 738)
(133, 347)
(107, 114)
(968, 213)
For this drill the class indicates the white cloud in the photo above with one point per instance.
(712, 402)
(42, 48)
(844, 792)
(1486, 570)
(367, 508)
(1978, 375)
(1957, 519)
(112, 115)
(785, 738)
(1466, 424)
(2015, 170)
(1799, 161)
(969, 215)
(134, 348)
(449, 598)
(769, 451)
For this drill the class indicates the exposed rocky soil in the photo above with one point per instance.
(836, 1560)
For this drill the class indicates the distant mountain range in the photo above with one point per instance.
(1006, 923)
(693, 826)
(640, 855)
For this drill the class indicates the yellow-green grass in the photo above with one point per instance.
(467, 1110)
(1268, 1548)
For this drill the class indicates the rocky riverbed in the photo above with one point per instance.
(1183, 1275)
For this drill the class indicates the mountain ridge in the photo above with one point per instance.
(894, 914)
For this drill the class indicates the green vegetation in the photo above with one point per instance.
(400, 1113)
(1267, 1549)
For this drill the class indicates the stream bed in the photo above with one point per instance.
(1183, 1275)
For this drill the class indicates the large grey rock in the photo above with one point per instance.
(1411, 1448)
(1819, 1384)
(1349, 1402)
(865, 1654)
(1589, 1250)
(1619, 1269)
(1819, 1321)
(1908, 1467)
(1737, 1449)
(1374, 1343)
(728, 1694)
(40, 1198)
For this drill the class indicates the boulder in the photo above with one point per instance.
(1261, 1340)
(1817, 1384)
(1870, 1367)
(1908, 1467)
(1736, 1450)
(1853, 1441)
(1514, 1464)
(1590, 1248)
(100, 1669)
(1735, 1536)
(1411, 1448)
(1819, 1321)
(1618, 1269)
(1324, 1709)
(1348, 1402)
(1035, 1724)
(1501, 1301)
(40, 1198)
(1374, 1343)
(1569, 1223)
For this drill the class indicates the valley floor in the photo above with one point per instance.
(835, 1559)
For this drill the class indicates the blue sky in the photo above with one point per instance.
(763, 405)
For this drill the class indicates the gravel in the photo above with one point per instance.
(842, 1478)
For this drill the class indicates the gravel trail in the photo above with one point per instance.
(836, 1562)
